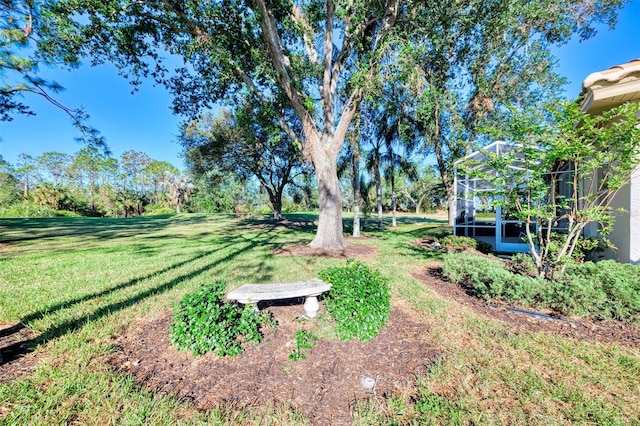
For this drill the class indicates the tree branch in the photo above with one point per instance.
(326, 91)
(280, 60)
(307, 34)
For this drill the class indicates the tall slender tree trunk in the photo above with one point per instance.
(355, 164)
(451, 201)
(91, 194)
(394, 221)
(379, 194)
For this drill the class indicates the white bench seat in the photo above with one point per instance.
(309, 289)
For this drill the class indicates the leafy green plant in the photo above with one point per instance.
(33, 210)
(304, 340)
(359, 300)
(558, 146)
(613, 287)
(204, 322)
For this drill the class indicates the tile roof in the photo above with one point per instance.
(613, 74)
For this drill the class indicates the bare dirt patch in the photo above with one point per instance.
(583, 329)
(351, 251)
(6, 246)
(322, 387)
(15, 357)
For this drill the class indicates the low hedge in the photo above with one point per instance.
(606, 290)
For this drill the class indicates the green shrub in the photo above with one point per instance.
(204, 322)
(523, 264)
(463, 242)
(459, 241)
(484, 247)
(158, 209)
(603, 290)
(359, 300)
(66, 213)
(615, 288)
(468, 270)
(33, 210)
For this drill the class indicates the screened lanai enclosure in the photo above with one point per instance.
(478, 212)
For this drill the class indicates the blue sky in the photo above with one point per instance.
(143, 121)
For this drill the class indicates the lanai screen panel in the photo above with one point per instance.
(476, 213)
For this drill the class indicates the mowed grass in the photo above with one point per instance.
(79, 282)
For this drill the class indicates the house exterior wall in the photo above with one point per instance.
(619, 236)
(625, 234)
(634, 218)
(603, 90)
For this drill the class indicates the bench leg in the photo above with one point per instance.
(311, 306)
(252, 303)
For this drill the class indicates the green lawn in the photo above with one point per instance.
(81, 281)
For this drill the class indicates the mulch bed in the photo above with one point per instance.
(322, 387)
(351, 251)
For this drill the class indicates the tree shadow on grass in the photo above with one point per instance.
(85, 231)
(424, 253)
(300, 224)
(428, 232)
(18, 349)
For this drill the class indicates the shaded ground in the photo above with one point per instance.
(583, 329)
(15, 356)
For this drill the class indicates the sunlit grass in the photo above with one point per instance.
(79, 282)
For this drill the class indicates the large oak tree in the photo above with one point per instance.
(320, 57)
(315, 55)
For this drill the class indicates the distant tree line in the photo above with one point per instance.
(89, 183)
(225, 174)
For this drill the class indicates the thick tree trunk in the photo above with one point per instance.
(418, 204)
(329, 232)
(276, 203)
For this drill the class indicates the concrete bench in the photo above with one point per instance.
(310, 290)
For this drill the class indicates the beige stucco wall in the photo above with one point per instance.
(626, 229)
(619, 236)
(634, 218)
(603, 90)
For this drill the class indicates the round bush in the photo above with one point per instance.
(359, 300)
(204, 322)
